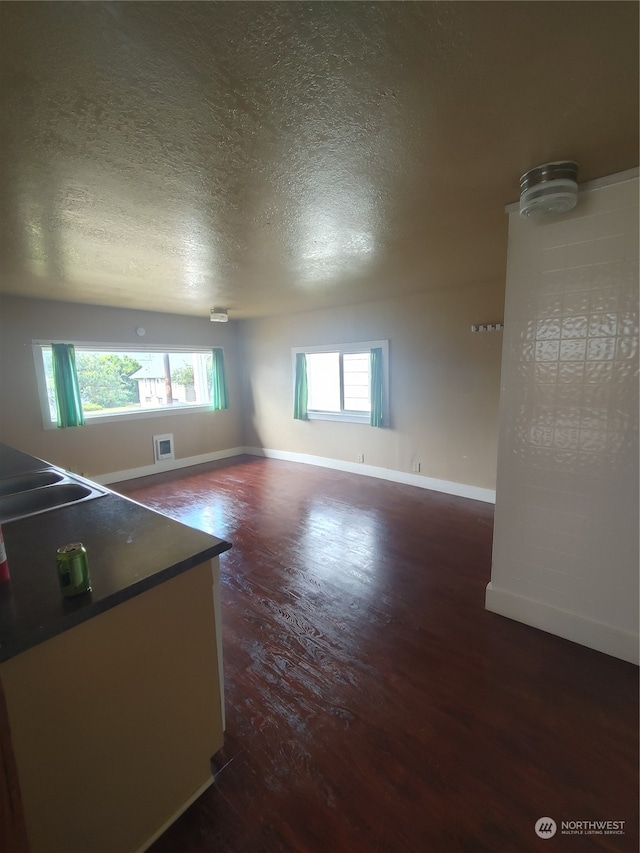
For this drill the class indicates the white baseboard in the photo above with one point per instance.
(167, 465)
(571, 626)
(462, 490)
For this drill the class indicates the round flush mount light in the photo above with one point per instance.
(219, 315)
(550, 188)
(140, 332)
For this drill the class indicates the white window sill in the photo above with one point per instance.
(345, 417)
(163, 411)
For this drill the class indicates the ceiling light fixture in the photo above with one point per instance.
(550, 188)
(219, 315)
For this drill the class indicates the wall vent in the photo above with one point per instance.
(163, 447)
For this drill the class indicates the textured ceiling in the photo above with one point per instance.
(282, 156)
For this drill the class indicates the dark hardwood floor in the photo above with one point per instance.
(372, 703)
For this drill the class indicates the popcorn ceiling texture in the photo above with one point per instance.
(278, 157)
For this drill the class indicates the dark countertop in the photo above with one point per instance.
(13, 462)
(130, 549)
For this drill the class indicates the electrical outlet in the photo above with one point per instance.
(360, 457)
(416, 467)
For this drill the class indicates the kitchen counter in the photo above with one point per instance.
(130, 549)
(112, 702)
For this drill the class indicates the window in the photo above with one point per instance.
(118, 382)
(338, 380)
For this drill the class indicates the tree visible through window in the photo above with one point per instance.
(117, 382)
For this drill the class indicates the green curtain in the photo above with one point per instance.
(377, 407)
(219, 380)
(301, 390)
(67, 390)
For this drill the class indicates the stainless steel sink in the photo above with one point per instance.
(32, 480)
(41, 491)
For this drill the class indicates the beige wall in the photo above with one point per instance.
(104, 448)
(444, 383)
(565, 552)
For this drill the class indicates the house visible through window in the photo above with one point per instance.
(117, 382)
(338, 380)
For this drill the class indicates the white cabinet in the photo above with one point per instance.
(113, 723)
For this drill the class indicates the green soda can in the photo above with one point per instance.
(73, 569)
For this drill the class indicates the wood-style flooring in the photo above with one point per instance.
(373, 705)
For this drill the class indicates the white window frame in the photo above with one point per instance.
(342, 349)
(104, 418)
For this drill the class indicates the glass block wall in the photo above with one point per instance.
(565, 555)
